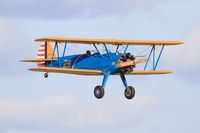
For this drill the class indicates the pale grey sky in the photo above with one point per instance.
(65, 103)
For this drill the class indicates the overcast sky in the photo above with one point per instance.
(65, 103)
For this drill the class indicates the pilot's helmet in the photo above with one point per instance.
(88, 52)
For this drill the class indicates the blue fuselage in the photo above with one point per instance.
(105, 62)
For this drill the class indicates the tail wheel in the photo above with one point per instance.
(46, 75)
(99, 92)
(129, 92)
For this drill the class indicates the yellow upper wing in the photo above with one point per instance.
(108, 41)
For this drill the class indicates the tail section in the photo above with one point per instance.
(41, 55)
(45, 52)
(49, 52)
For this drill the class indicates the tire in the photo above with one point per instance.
(99, 92)
(45, 75)
(129, 92)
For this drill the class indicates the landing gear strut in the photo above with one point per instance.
(46, 75)
(99, 90)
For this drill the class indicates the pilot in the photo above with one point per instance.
(88, 52)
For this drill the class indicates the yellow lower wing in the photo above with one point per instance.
(148, 72)
(96, 72)
(67, 70)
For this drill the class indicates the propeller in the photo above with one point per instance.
(130, 62)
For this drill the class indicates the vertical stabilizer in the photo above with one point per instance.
(45, 52)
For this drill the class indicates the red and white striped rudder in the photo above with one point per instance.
(41, 55)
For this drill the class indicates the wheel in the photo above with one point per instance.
(129, 92)
(46, 75)
(99, 92)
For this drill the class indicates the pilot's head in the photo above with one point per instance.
(88, 52)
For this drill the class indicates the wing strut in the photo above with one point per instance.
(56, 50)
(96, 48)
(126, 48)
(65, 46)
(159, 57)
(106, 49)
(155, 64)
(117, 48)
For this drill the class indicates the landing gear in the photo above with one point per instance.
(99, 92)
(129, 92)
(46, 75)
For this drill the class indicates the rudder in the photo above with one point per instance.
(45, 52)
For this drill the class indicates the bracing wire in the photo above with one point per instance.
(79, 48)
(135, 50)
(144, 50)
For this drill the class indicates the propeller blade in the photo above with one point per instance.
(140, 56)
(140, 61)
(130, 63)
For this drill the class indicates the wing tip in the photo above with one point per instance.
(22, 60)
(32, 69)
(168, 72)
(26, 60)
(179, 42)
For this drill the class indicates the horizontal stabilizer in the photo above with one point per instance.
(67, 70)
(148, 72)
(37, 60)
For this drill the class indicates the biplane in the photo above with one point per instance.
(51, 59)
